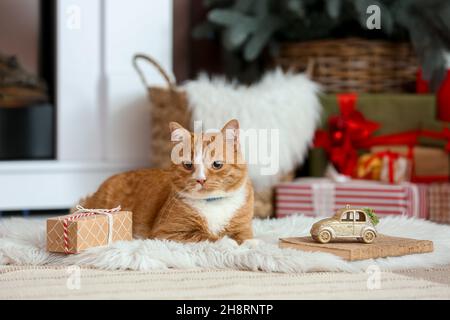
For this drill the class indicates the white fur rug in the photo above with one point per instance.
(281, 101)
(22, 242)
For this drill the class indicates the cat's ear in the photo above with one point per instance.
(231, 130)
(177, 132)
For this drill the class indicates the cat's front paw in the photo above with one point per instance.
(228, 242)
(252, 243)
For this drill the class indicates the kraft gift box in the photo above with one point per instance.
(87, 231)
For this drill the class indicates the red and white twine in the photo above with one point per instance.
(83, 212)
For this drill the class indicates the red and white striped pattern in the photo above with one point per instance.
(313, 197)
(66, 227)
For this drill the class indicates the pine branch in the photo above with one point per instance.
(373, 217)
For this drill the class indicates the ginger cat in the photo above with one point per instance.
(206, 194)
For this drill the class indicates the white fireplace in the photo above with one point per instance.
(102, 111)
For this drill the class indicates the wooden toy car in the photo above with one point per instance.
(347, 223)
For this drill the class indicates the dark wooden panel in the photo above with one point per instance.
(181, 39)
(191, 56)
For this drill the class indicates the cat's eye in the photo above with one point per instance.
(188, 165)
(217, 165)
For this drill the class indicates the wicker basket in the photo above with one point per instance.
(353, 65)
(170, 104)
(167, 104)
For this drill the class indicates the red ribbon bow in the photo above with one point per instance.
(444, 134)
(347, 131)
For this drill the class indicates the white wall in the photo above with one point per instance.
(104, 111)
(133, 26)
(79, 43)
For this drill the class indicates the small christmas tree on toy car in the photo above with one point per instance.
(371, 214)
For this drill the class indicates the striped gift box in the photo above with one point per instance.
(322, 197)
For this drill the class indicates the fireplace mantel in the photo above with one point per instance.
(102, 108)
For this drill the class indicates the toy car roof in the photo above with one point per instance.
(339, 212)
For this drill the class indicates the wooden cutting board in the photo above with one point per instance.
(383, 246)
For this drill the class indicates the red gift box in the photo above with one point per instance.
(322, 197)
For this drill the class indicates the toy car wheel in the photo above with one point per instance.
(324, 236)
(368, 236)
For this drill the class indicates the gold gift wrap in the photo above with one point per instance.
(88, 231)
(428, 162)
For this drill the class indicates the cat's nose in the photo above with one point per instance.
(201, 181)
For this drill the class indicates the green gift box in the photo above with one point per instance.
(395, 113)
